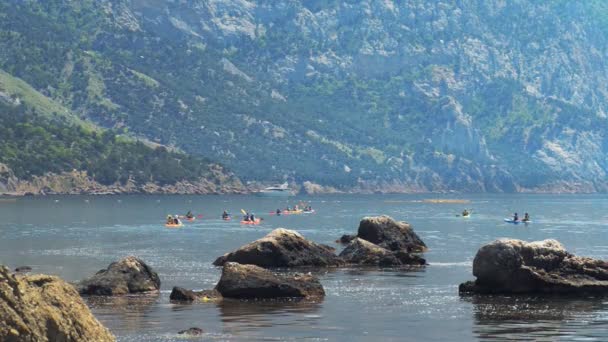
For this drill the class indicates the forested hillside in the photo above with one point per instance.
(378, 95)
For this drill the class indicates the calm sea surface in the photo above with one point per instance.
(73, 237)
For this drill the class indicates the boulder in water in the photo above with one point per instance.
(192, 332)
(515, 266)
(282, 248)
(362, 252)
(385, 232)
(45, 308)
(127, 276)
(180, 294)
(250, 281)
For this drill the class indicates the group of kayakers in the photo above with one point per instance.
(515, 219)
(174, 220)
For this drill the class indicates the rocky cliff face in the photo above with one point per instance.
(381, 95)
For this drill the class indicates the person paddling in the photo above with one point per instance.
(225, 215)
(526, 217)
(465, 213)
(515, 217)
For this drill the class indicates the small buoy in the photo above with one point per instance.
(56, 201)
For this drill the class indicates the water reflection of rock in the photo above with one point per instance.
(527, 317)
(130, 311)
(243, 315)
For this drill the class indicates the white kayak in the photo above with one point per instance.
(507, 220)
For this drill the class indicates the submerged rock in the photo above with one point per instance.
(127, 276)
(385, 232)
(282, 248)
(250, 281)
(192, 332)
(45, 308)
(184, 295)
(23, 269)
(361, 252)
(515, 266)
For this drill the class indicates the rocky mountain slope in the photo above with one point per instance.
(370, 95)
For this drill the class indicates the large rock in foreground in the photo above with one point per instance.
(361, 252)
(127, 276)
(250, 281)
(515, 266)
(282, 248)
(385, 232)
(45, 308)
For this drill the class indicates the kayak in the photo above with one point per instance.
(292, 212)
(517, 222)
(308, 211)
(466, 216)
(190, 219)
(173, 225)
(257, 221)
(226, 218)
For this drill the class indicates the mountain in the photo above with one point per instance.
(416, 95)
(46, 149)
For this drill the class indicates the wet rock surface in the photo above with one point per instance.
(385, 232)
(515, 266)
(250, 281)
(128, 276)
(362, 252)
(282, 248)
(180, 294)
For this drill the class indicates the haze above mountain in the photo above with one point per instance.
(375, 95)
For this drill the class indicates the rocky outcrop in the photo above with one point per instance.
(45, 308)
(250, 281)
(282, 248)
(385, 232)
(361, 252)
(180, 294)
(515, 266)
(127, 276)
(346, 239)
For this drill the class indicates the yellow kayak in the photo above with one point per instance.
(173, 225)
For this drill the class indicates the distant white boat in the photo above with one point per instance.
(278, 191)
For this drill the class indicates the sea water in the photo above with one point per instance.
(73, 237)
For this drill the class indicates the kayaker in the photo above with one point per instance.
(189, 214)
(515, 217)
(252, 218)
(246, 217)
(225, 215)
(465, 213)
(278, 212)
(526, 217)
(175, 219)
(169, 219)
